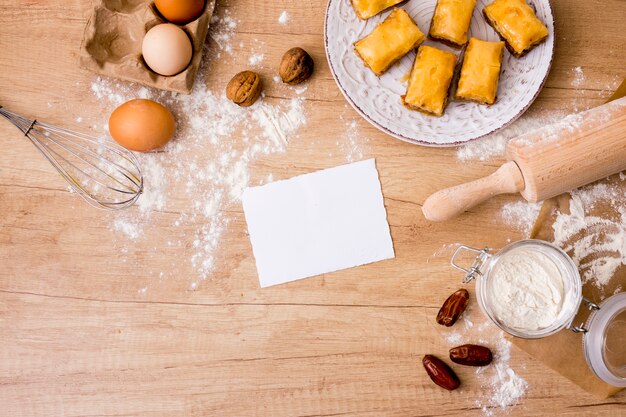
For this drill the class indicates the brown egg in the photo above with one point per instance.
(167, 49)
(180, 11)
(142, 125)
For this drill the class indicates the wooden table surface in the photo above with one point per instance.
(78, 339)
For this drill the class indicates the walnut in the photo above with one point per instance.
(244, 88)
(296, 66)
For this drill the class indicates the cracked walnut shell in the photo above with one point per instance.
(244, 88)
(296, 66)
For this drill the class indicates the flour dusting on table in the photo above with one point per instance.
(350, 141)
(521, 215)
(195, 183)
(502, 387)
(283, 18)
(208, 159)
(494, 145)
(597, 245)
(207, 163)
(222, 31)
(256, 59)
(579, 77)
(507, 387)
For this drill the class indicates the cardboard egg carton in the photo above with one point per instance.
(113, 36)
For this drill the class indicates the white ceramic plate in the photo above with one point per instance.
(377, 99)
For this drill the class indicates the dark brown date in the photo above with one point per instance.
(440, 373)
(453, 307)
(471, 355)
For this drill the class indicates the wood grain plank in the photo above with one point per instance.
(79, 339)
(196, 360)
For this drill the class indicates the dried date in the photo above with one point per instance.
(440, 373)
(471, 355)
(453, 307)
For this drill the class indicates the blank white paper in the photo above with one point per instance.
(317, 223)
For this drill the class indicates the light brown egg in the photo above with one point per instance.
(142, 125)
(167, 49)
(180, 11)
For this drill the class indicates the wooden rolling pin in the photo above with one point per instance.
(578, 150)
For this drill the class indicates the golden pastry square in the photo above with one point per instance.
(430, 81)
(516, 22)
(389, 41)
(451, 21)
(480, 71)
(365, 9)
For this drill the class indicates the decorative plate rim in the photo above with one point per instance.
(425, 143)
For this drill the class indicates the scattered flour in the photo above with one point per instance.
(446, 250)
(256, 59)
(493, 146)
(350, 142)
(300, 90)
(502, 386)
(131, 230)
(278, 124)
(153, 196)
(195, 180)
(521, 215)
(455, 339)
(283, 18)
(202, 172)
(103, 90)
(578, 80)
(597, 245)
(579, 77)
(222, 31)
(507, 387)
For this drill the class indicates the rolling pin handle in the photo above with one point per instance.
(450, 202)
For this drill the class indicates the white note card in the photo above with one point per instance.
(317, 223)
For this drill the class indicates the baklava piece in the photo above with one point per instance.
(451, 21)
(516, 23)
(367, 8)
(389, 41)
(480, 71)
(430, 79)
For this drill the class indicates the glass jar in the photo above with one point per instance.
(604, 340)
(604, 332)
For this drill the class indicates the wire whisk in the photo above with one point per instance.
(104, 174)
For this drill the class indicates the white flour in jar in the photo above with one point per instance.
(527, 290)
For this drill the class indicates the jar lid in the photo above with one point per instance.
(604, 342)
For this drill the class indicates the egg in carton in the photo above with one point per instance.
(113, 38)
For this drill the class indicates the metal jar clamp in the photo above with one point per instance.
(479, 260)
